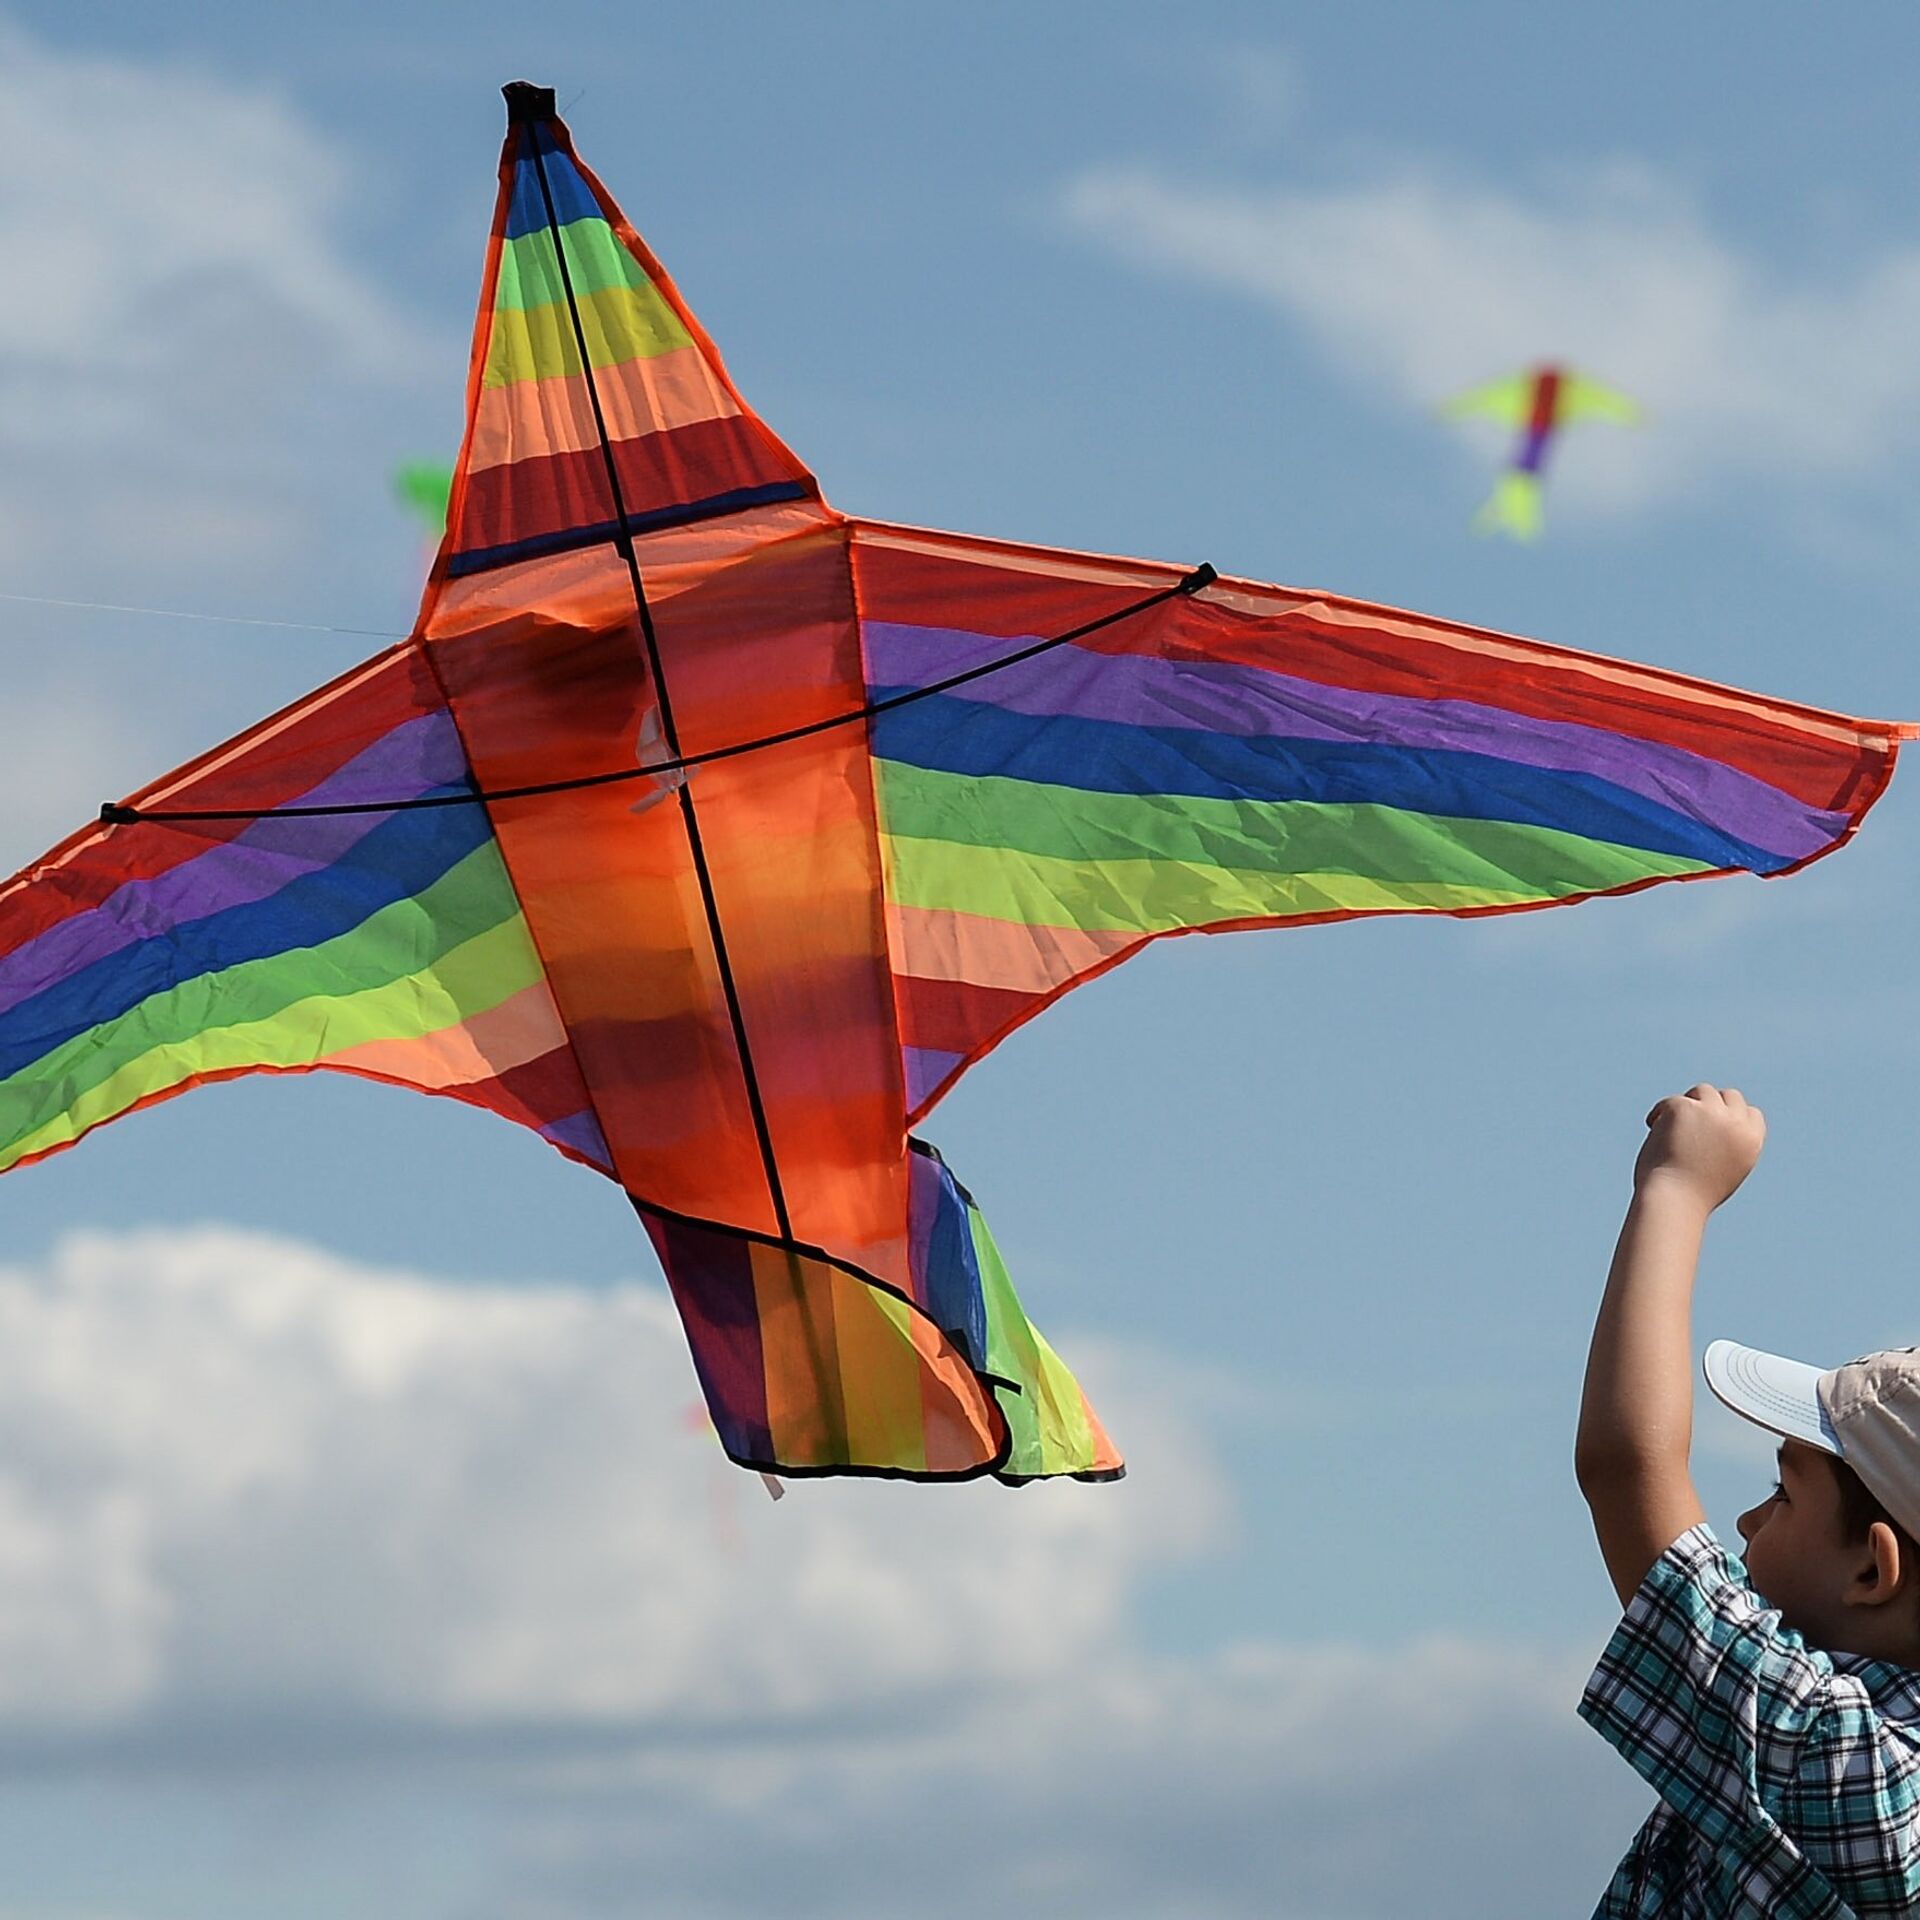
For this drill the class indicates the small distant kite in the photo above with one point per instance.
(1539, 402)
(426, 486)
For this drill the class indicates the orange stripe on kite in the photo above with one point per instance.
(556, 415)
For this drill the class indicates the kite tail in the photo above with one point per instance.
(810, 1366)
(1512, 508)
(959, 1273)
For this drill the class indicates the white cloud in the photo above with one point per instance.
(1293, 1783)
(198, 386)
(263, 1510)
(1418, 282)
(236, 1472)
(179, 305)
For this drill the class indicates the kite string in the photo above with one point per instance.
(180, 613)
(1203, 575)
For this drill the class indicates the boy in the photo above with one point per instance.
(1779, 1721)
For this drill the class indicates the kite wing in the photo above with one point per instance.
(1512, 401)
(1246, 755)
(1584, 399)
(1508, 401)
(383, 940)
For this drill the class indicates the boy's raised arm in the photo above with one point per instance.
(1636, 1414)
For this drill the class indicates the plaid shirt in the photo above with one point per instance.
(1789, 1780)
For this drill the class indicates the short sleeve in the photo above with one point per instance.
(1765, 1748)
(1857, 1811)
(1706, 1695)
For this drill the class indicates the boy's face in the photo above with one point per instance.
(1798, 1554)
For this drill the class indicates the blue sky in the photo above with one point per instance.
(355, 1549)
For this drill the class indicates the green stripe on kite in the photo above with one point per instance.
(1154, 896)
(1047, 1418)
(403, 942)
(1421, 859)
(596, 260)
(303, 1034)
(621, 324)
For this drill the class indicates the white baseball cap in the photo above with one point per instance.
(1867, 1412)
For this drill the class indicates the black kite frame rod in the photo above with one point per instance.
(114, 814)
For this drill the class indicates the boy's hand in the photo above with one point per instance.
(1704, 1141)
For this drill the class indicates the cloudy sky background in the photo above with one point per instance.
(357, 1551)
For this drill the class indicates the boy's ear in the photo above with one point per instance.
(1890, 1572)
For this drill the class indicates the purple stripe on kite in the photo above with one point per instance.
(580, 1133)
(412, 758)
(710, 1275)
(923, 1213)
(926, 1068)
(1230, 698)
(1533, 449)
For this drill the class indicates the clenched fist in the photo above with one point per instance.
(1704, 1141)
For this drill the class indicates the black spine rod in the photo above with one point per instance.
(528, 102)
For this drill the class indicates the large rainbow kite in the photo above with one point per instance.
(713, 834)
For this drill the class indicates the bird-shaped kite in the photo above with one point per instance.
(713, 834)
(1539, 402)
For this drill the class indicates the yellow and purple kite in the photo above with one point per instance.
(713, 834)
(1539, 403)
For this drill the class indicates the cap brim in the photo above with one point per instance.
(1779, 1394)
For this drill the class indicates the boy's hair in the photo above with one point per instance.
(1860, 1507)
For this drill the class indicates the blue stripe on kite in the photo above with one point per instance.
(950, 1278)
(946, 734)
(572, 197)
(1237, 697)
(400, 858)
(409, 759)
(537, 546)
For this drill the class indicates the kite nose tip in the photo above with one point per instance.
(526, 102)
